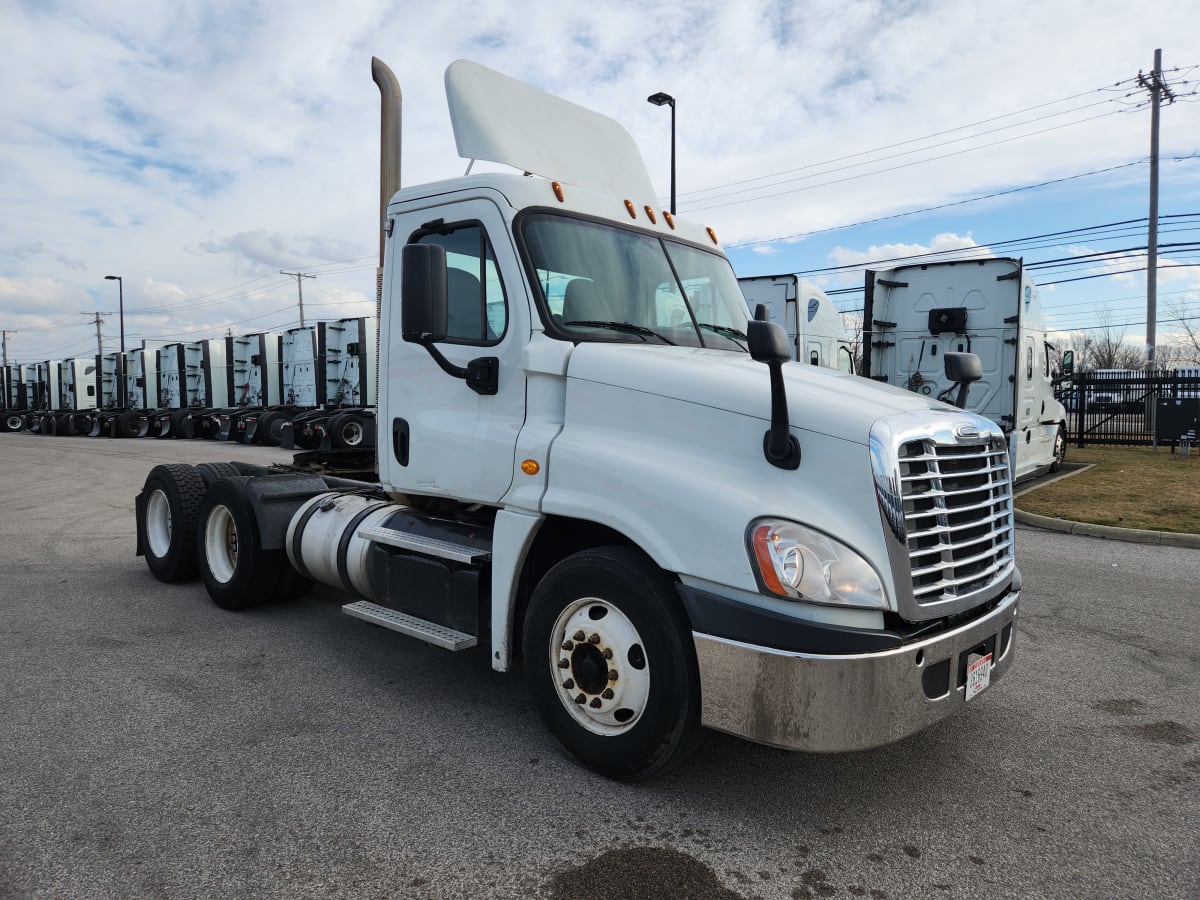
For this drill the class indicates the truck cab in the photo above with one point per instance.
(593, 461)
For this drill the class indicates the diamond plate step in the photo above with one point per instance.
(429, 546)
(431, 633)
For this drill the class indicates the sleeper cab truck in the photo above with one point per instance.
(915, 314)
(253, 384)
(669, 522)
(812, 322)
(72, 397)
(344, 390)
(192, 387)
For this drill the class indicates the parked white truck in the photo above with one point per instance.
(813, 324)
(670, 530)
(915, 314)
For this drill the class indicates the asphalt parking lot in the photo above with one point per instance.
(153, 745)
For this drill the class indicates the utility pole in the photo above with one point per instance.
(99, 340)
(4, 344)
(299, 276)
(1157, 87)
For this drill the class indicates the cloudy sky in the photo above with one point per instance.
(198, 148)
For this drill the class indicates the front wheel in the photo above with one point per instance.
(610, 664)
(1060, 449)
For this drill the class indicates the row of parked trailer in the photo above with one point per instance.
(308, 388)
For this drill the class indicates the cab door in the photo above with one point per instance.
(444, 438)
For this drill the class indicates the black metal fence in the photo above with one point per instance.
(1103, 409)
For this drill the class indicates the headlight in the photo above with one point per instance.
(802, 564)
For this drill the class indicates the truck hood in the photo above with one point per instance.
(820, 400)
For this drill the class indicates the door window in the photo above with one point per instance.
(477, 312)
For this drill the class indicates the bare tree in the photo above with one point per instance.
(1109, 349)
(1184, 322)
(853, 323)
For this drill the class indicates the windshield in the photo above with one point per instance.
(603, 283)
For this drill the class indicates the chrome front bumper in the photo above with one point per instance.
(836, 703)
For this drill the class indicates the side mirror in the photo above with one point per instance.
(767, 341)
(423, 293)
(962, 369)
(1068, 363)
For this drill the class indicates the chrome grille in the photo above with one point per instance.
(957, 506)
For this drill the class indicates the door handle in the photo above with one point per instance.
(400, 440)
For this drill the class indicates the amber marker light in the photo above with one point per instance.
(670, 219)
(712, 234)
(558, 191)
(650, 215)
(530, 467)
(766, 565)
(631, 209)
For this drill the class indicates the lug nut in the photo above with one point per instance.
(608, 694)
(608, 653)
(595, 704)
(612, 675)
(594, 639)
(568, 646)
(563, 663)
(579, 635)
(568, 684)
(580, 699)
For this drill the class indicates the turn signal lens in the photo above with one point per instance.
(530, 467)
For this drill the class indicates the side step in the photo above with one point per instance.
(430, 633)
(462, 553)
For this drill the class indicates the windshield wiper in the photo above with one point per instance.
(628, 327)
(732, 333)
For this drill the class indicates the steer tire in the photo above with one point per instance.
(237, 571)
(1060, 449)
(168, 506)
(610, 664)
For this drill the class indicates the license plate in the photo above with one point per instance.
(979, 673)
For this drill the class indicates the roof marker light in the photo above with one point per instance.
(632, 209)
(650, 215)
(670, 219)
(558, 191)
(712, 234)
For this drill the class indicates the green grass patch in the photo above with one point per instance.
(1129, 487)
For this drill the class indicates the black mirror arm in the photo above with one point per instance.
(482, 375)
(779, 445)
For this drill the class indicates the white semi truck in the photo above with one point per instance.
(337, 382)
(813, 324)
(666, 520)
(915, 314)
(192, 386)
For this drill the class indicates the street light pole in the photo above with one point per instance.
(661, 99)
(121, 302)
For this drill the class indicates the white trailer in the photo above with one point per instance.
(813, 324)
(71, 397)
(667, 525)
(913, 315)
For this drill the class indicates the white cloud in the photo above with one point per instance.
(194, 147)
